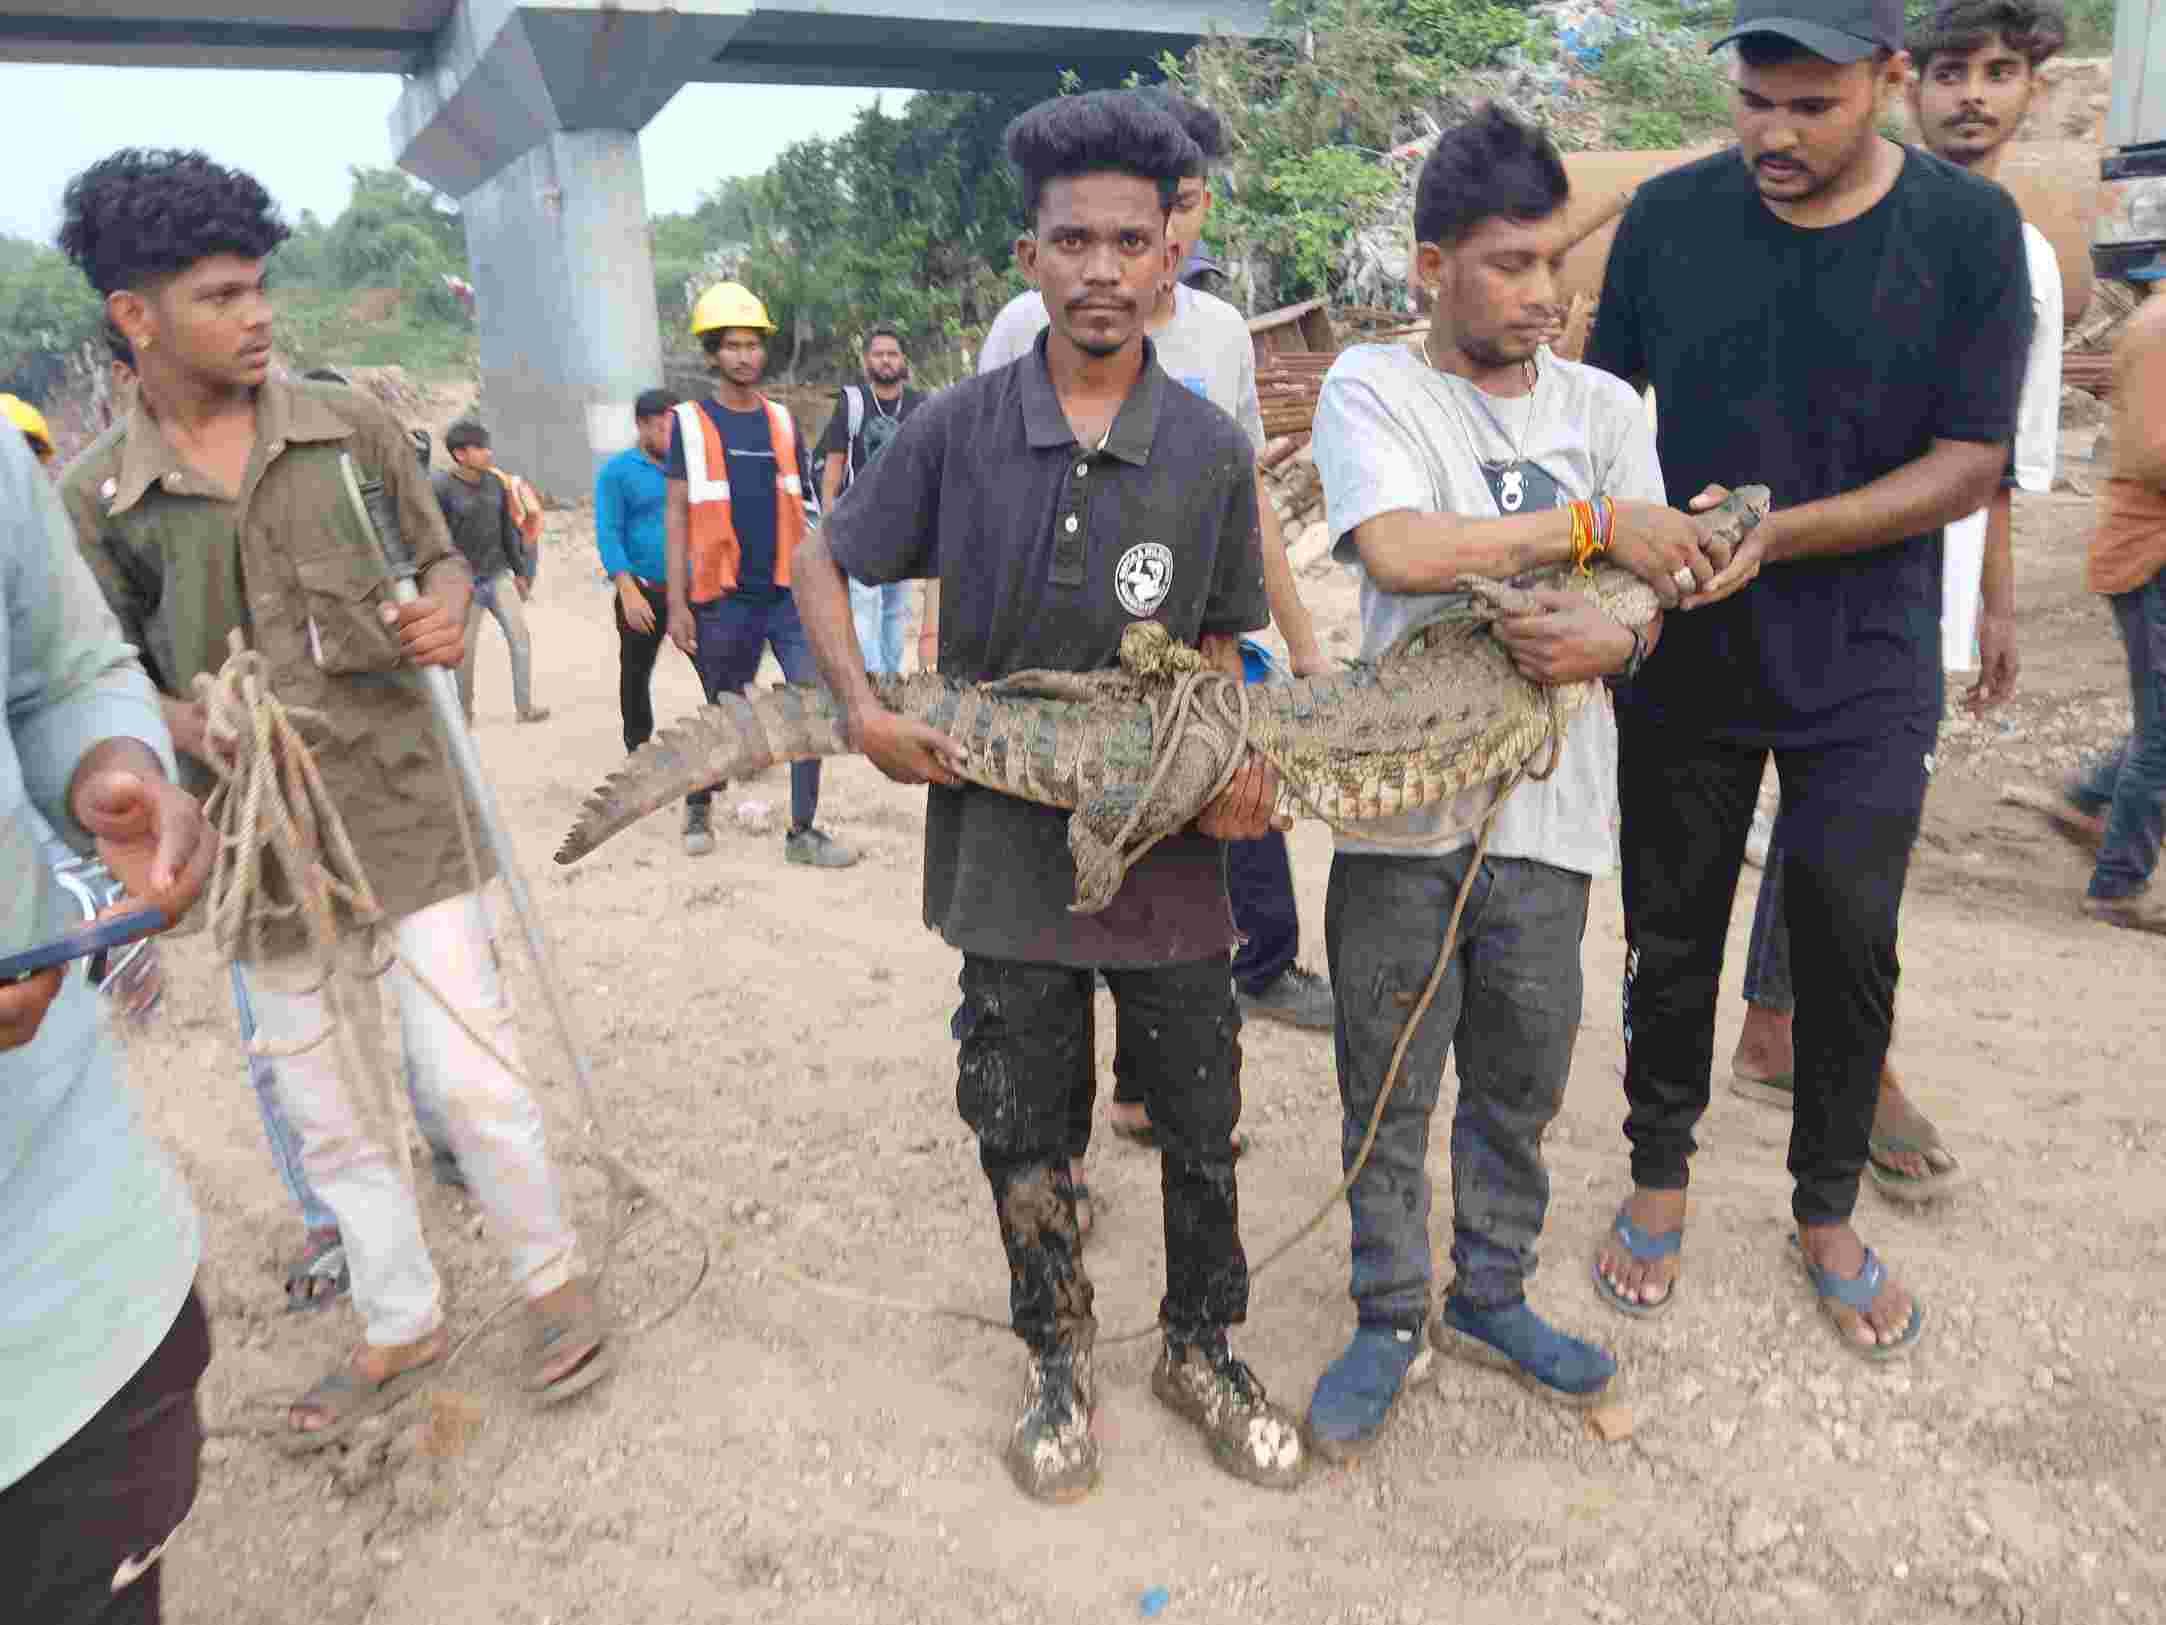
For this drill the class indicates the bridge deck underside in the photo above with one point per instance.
(780, 46)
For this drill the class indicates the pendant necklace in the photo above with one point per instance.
(1507, 480)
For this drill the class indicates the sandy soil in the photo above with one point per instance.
(772, 1043)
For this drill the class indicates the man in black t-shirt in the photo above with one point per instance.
(1059, 500)
(477, 509)
(866, 418)
(1821, 310)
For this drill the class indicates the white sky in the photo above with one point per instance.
(298, 132)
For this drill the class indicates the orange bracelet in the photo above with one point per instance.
(1583, 534)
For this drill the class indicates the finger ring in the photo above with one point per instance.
(1683, 576)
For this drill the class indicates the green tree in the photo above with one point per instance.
(47, 312)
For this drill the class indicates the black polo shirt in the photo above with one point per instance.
(1046, 552)
(1814, 362)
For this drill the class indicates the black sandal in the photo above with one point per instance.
(319, 1277)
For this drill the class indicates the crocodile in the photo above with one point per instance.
(1136, 751)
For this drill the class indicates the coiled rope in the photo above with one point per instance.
(279, 832)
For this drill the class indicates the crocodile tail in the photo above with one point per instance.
(736, 737)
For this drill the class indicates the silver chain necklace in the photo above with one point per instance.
(1511, 477)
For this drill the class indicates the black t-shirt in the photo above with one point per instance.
(748, 442)
(478, 515)
(1814, 362)
(1045, 553)
(883, 420)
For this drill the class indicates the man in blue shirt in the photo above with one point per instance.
(102, 1338)
(631, 498)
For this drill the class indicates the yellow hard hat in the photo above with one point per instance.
(31, 421)
(729, 304)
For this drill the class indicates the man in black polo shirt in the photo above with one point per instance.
(1058, 501)
(1848, 321)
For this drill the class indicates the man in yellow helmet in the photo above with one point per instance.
(739, 504)
(31, 422)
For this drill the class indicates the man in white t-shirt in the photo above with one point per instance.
(1484, 455)
(1975, 67)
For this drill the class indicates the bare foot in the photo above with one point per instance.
(373, 1365)
(572, 1309)
(1763, 1046)
(1836, 1249)
(1894, 1103)
(1130, 1117)
(1643, 1280)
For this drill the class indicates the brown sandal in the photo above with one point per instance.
(573, 1320)
(345, 1399)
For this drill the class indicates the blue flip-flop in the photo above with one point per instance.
(1857, 1292)
(1645, 1246)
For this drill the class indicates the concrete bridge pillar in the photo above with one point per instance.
(527, 111)
(564, 292)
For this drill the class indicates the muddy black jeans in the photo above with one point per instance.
(1850, 815)
(1025, 1037)
(1508, 1008)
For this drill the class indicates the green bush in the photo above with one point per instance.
(1674, 95)
(1459, 33)
(1307, 207)
(1648, 129)
(2090, 27)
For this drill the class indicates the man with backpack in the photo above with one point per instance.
(865, 420)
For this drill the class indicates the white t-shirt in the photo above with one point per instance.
(1206, 346)
(2038, 436)
(1394, 434)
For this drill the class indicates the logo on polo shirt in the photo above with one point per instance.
(1142, 577)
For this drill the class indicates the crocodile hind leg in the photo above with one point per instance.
(1109, 831)
(1094, 831)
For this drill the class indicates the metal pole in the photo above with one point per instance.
(378, 511)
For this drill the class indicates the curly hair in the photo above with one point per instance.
(2034, 29)
(147, 213)
(1103, 131)
(464, 433)
(1494, 164)
(1201, 125)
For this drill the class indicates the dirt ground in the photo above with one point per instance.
(772, 1044)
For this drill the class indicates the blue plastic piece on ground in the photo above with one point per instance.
(1154, 1602)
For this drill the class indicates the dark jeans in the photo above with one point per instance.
(95, 1509)
(1767, 950)
(1850, 815)
(733, 632)
(636, 653)
(1260, 882)
(2130, 787)
(1025, 1055)
(1508, 1008)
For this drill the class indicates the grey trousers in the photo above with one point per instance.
(499, 596)
(1508, 1007)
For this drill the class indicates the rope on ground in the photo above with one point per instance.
(1170, 722)
(270, 802)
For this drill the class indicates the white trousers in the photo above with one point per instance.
(495, 1124)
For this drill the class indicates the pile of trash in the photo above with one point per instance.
(1296, 491)
(1553, 87)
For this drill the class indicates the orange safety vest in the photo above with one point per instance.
(712, 538)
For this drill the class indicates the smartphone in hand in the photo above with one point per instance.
(83, 942)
